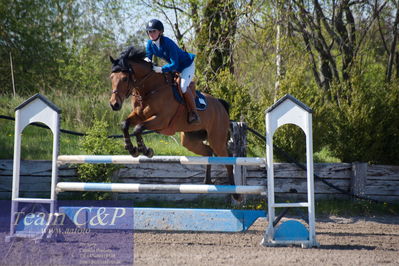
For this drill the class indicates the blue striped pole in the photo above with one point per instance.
(127, 159)
(160, 188)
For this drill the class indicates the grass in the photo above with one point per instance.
(355, 208)
(342, 207)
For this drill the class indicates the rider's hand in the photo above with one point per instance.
(157, 69)
(147, 60)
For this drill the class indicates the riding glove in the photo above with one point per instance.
(147, 60)
(157, 69)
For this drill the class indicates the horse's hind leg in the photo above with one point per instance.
(193, 142)
(208, 177)
(219, 146)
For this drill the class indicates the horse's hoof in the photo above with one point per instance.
(142, 149)
(149, 153)
(134, 151)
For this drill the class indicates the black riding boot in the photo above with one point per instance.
(193, 117)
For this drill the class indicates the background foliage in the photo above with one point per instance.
(97, 143)
(340, 58)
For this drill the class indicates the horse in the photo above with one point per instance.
(155, 108)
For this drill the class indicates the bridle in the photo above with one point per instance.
(134, 90)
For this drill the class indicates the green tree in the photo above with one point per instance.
(216, 37)
(43, 36)
(34, 33)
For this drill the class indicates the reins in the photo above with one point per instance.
(133, 89)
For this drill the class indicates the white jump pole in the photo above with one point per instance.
(160, 188)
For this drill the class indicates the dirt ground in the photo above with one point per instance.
(343, 241)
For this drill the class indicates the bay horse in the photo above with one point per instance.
(154, 107)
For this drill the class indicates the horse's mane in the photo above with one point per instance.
(134, 53)
(131, 53)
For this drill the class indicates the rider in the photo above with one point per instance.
(178, 61)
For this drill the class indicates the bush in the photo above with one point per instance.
(97, 143)
(364, 124)
(356, 121)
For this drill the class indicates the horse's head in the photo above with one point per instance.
(124, 77)
(120, 89)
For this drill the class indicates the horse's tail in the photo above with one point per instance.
(225, 104)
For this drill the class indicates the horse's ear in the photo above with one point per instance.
(112, 59)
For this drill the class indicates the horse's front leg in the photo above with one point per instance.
(138, 130)
(128, 143)
(155, 122)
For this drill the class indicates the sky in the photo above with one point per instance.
(137, 16)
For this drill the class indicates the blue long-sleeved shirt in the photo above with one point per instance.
(169, 51)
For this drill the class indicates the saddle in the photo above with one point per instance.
(200, 101)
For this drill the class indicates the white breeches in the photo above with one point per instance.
(187, 76)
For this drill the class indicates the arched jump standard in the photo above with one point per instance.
(289, 110)
(37, 109)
